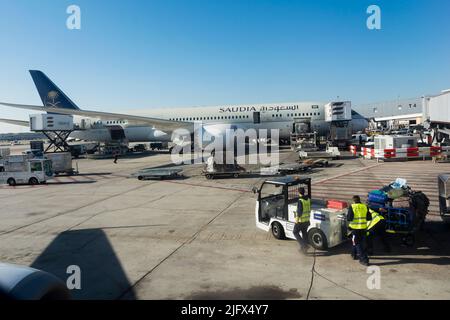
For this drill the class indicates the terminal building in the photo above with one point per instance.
(393, 109)
(393, 113)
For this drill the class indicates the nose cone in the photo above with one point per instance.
(159, 134)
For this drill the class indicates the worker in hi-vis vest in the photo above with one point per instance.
(358, 215)
(376, 228)
(302, 220)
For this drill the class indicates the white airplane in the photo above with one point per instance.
(159, 124)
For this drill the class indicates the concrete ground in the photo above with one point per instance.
(196, 239)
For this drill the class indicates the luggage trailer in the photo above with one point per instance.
(276, 205)
(158, 173)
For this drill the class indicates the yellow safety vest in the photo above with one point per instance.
(376, 217)
(359, 221)
(306, 205)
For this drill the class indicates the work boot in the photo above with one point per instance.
(364, 262)
(354, 257)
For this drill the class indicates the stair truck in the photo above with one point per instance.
(276, 205)
(23, 169)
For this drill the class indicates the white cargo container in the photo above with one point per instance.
(61, 162)
(51, 122)
(395, 142)
(338, 111)
(437, 108)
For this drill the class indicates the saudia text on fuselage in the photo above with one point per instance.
(257, 109)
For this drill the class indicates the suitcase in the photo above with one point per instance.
(378, 196)
(336, 204)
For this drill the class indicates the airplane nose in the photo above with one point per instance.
(159, 134)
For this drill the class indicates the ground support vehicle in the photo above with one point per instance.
(158, 173)
(275, 209)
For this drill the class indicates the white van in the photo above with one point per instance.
(28, 171)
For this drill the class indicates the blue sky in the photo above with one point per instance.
(180, 53)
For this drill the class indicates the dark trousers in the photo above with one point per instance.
(303, 229)
(359, 242)
(378, 231)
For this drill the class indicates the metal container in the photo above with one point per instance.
(61, 162)
(444, 196)
(51, 122)
(395, 142)
(338, 111)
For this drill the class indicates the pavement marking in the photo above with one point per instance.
(72, 210)
(207, 186)
(346, 174)
(187, 241)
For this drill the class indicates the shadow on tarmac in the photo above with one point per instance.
(102, 275)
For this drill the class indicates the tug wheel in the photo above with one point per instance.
(317, 239)
(278, 231)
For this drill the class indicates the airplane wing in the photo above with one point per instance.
(16, 122)
(160, 124)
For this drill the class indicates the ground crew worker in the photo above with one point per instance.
(376, 228)
(302, 220)
(358, 215)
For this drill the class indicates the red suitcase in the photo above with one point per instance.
(336, 204)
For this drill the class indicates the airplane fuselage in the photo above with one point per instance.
(216, 120)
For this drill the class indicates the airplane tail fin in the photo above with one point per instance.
(50, 94)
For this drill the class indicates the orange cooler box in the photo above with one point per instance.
(336, 204)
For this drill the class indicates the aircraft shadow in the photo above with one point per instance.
(102, 275)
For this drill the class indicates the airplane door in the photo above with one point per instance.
(117, 133)
(256, 117)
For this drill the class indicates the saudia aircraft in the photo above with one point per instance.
(159, 124)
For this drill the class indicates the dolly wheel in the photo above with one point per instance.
(278, 231)
(317, 239)
(409, 240)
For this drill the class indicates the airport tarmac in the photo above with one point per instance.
(196, 239)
